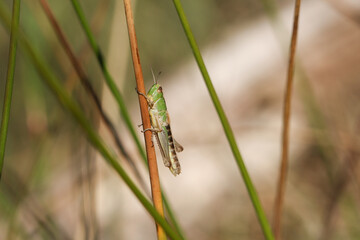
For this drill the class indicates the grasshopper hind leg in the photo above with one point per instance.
(152, 130)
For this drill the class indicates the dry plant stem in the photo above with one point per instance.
(90, 90)
(286, 126)
(314, 114)
(150, 150)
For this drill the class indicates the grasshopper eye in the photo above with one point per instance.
(160, 89)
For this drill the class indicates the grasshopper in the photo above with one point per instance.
(160, 122)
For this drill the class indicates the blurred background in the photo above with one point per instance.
(56, 186)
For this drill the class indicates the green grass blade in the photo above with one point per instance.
(225, 123)
(9, 81)
(116, 93)
(79, 116)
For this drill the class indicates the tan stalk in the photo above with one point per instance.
(279, 201)
(150, 150)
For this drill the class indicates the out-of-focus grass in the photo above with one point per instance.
(9, 81)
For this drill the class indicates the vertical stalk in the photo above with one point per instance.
(279, 201)
(150, 150)
(9, 81)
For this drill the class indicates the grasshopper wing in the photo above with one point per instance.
(161, 138)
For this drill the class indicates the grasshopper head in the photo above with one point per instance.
(155, 92)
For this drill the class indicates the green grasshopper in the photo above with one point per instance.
(160, 122)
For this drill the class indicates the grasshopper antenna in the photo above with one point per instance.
(152, 72)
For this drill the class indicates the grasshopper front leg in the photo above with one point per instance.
(150, 103)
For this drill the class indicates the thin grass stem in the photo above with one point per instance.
(279, 201)
(225, 123)
(315, 116)
(9, 81)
